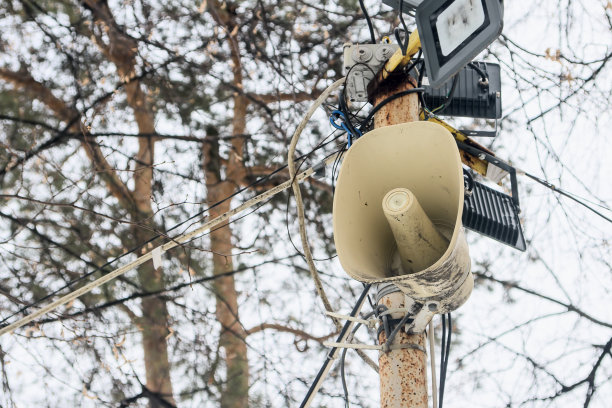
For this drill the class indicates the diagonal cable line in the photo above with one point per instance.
(163, 248)
(569, 195)
(160, 234)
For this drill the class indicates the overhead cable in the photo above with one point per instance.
(163, 248)
(369, 21)
(298, 194)
(158, 235)
(566, 194)
(333, 353)
(432, 361)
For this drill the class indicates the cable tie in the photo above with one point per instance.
(345, 317)
(352, 346)
(379, 347)
(372, 323)
(395, 310)
(156, 255)
(407, 346)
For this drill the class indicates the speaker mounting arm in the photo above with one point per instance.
(471, 160)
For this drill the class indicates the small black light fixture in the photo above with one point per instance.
(453, 32)
(489, 211)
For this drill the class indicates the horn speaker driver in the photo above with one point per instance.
(397, 213)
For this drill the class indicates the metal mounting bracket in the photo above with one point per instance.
(361, 64)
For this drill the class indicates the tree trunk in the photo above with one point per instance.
(233, 334)
(154, 320)
(154, 329)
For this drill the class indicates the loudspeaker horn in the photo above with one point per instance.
(397, 213)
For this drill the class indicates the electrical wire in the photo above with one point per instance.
(336, 165)
(403, 44)
(432, 362)
(342, 106)
(444, 352)
(333, 353)
(365, 124)
(343, 358)
(449, 96)
(158, 235)
(339, 151)
(416, 61)
(342, 373)
(369, 21)
(162, 248)
(483, 75)
(297, 192)
(564, 193)
(420, 84)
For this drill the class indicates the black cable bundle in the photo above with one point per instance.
(369, 21)
(444, 352)
(333, 352)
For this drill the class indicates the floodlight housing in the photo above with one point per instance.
(453, 32)
(493, 214)
(477, 92)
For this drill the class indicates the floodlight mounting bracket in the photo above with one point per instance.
(481, 154)
(481, 133)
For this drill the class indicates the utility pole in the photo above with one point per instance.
(403, 373)
(401, 191)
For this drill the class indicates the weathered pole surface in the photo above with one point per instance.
(403, 373)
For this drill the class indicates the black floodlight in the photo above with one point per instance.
(477, 93)
(453, 32)
(491, 212)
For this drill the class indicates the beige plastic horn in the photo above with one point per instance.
(397, 213)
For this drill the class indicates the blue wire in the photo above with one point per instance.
(335, 115)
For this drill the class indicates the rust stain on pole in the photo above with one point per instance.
(401, 110)
(403, 373)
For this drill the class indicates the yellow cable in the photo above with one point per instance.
(478, 165)
(400, 60)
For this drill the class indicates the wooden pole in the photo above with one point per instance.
(403, 373)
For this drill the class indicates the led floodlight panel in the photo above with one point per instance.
(453, 32)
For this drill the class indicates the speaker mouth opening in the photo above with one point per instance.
(385, 159)
(394, 266)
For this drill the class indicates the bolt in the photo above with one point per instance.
(481, 156)
(432, 307)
